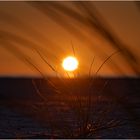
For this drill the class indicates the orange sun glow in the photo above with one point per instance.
(70, 63)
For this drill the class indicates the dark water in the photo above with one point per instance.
(23, 114)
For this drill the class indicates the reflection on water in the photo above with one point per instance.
(27, 115)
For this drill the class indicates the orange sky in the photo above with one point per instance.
(25, 26)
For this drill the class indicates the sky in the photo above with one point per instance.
(31, 32)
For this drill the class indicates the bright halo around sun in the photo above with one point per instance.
(70, 63)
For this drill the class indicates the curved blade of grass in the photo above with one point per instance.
(91, 66)
(105, 61)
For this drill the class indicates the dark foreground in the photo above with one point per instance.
(113, 112)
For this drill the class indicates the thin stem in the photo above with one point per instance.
(91, 66)
(45, 61)
(73, 49)
(38, 91)
(106, 61)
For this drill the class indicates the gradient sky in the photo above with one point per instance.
(25, 26)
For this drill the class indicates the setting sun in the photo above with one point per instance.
(70, 63)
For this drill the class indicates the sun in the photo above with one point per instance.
(70, 63)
